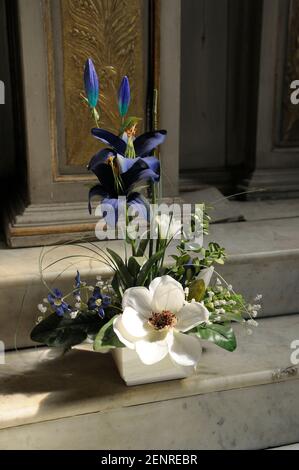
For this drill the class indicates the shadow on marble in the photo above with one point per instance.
(66, 379)
(37, 385)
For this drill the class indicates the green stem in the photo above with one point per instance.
(153, 201)
(165, 243)
(151, 242)
(130, 240)
(115, 306)
(95, 116)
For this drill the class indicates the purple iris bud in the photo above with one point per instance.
(77, 280)
(77, 285)
(124, 96)
(91, 83)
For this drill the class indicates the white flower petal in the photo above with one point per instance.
(151, 352)
(122, 334)
(168, 294)
(168, 226)
(184, 349)
(139, 298)
(154, 284)
(191, 315)
(206, 275)
(135, 323)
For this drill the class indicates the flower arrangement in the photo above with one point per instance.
(155, 305)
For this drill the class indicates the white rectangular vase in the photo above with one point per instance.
(134, 372)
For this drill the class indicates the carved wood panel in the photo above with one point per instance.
(112, 33)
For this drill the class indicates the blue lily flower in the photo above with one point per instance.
(130, 173)
(99, 302)
(144, 144)
(58, 304)
(91, 83)
(129, 161)
(124, 96)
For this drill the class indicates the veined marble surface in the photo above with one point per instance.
(244, 399)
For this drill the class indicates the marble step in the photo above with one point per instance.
(247, 399)
(263, 257)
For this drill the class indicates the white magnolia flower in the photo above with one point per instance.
(154, 321)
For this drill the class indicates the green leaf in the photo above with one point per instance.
(122, 269)
(222, 335)
(116, 286)
(146, 269)
(106, 337)
(142, 246)
(133, 266)
(191, 246)
(55, 331)
(234, 316)
(184, 259)
(197, 290)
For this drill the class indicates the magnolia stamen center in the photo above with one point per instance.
(164, 319)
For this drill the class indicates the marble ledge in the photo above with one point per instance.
(263, 258)
(38, 385)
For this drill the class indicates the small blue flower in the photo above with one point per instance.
(99, 302)
(91, 83)
(124, 96)
(58, 304)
